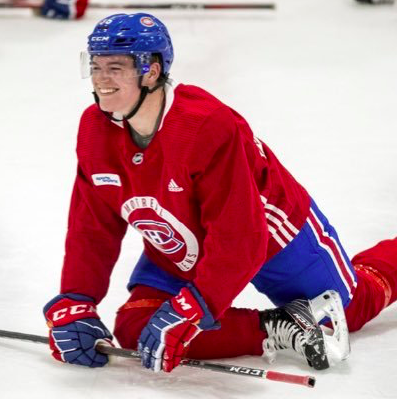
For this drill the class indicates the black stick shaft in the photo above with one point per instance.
(307, 381)
(23, 336)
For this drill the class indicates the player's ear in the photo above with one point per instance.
(151, 77)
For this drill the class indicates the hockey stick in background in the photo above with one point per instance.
(307, 381)
(152, 6)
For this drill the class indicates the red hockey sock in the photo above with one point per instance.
(239, 335)
(376, 270)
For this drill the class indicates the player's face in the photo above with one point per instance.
(115, 81)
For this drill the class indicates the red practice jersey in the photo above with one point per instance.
(211, 200)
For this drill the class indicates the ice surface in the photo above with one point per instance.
(316, 80)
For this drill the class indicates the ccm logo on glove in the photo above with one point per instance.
(182, 301)
(185, 302)
(76, 309)
(66, 311)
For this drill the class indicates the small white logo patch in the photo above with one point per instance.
(172, 186)
(103, 179)
(137, 159)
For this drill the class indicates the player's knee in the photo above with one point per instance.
(128, 327)
(373, 294)
(379, 263)
(382, 256)
(132, 318)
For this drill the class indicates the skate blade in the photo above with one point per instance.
(329, 305)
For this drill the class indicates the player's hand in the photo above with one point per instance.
(63, 9)
(165, 339)
(75, 329)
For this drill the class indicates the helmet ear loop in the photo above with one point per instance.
(144, 92)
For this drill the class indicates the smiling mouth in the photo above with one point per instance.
(107, 91)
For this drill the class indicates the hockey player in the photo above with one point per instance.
(216, 210)
(64, 9)
(75, 9)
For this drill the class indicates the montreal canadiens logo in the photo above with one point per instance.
(162, 230)
(147, 21)
(160, 235)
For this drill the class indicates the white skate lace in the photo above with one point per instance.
(283, 335)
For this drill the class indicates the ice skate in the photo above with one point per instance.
(295, 325)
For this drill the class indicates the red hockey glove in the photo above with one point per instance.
(75, 329)
(165, 339)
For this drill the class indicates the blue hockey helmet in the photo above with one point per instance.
(140, 35)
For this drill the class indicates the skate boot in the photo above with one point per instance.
(295, 325)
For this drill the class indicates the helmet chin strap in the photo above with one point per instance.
(144, 92)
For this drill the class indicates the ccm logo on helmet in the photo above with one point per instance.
(147, 21)
(100, 39)
(72, 310)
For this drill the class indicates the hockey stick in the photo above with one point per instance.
(160, 6)
(307, 381)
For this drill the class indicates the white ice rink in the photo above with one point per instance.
(317, 80)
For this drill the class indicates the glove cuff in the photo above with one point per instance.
(67, 308)
(75, 297)
(191, 305)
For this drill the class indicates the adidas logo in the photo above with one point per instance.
(172, 186)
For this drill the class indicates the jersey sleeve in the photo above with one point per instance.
(231, 211)
(95, 230)
(93, 242)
